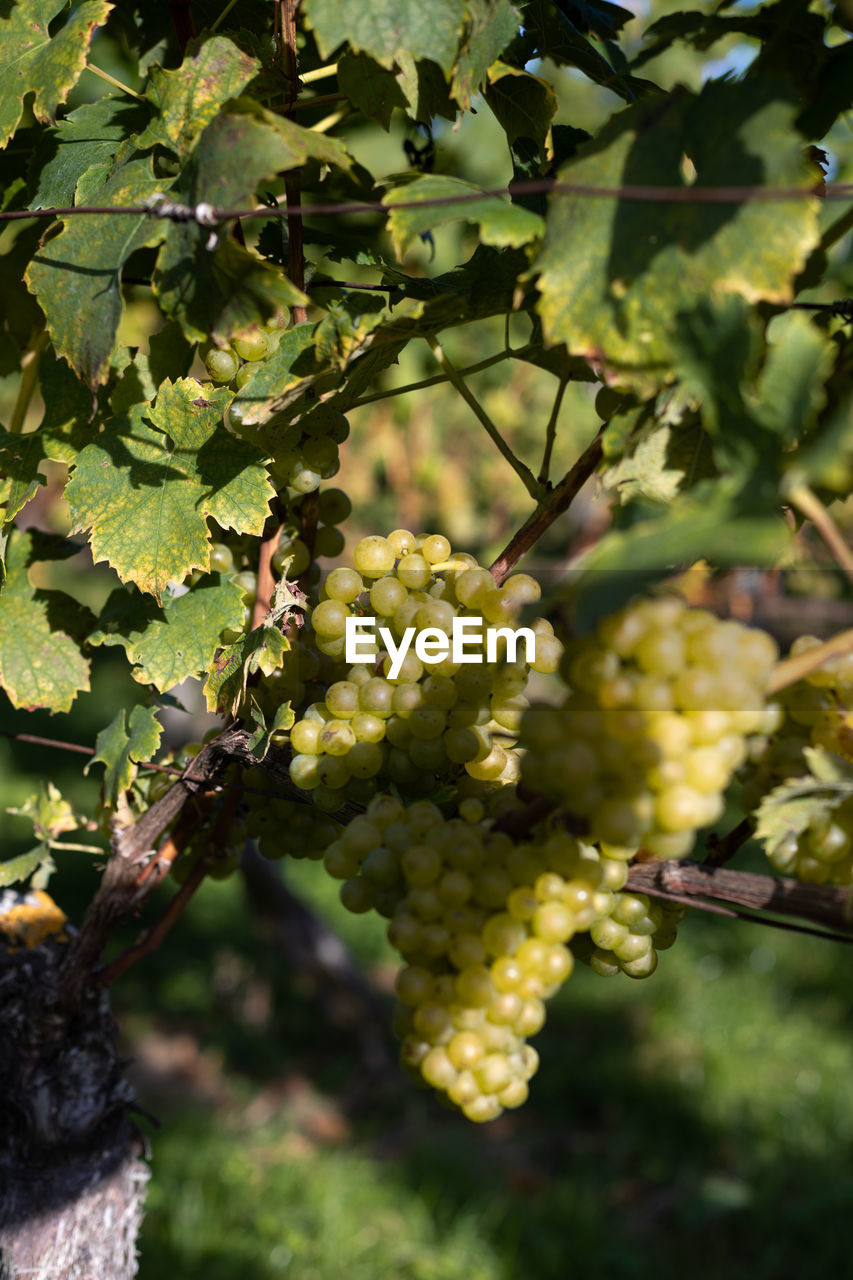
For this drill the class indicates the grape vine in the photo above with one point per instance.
(203, 384)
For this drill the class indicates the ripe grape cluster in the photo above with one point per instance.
(661, 699)
(423, 723)
(482, 923)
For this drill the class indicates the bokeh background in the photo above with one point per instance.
(700, 1121)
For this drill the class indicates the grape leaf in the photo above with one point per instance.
(791, 389)
(20, 459)
(490, 27)
(78, 272)
(617, 276)
(86, 137)
(147, 486)
(292, 360)
(15, 869)
(524, 105)
(791, 808)
(501, 222)
(385, 28)
(262, 735)
(710, 521)
(262, 649)
(39, 666)
(369, 87)
(217, 292)
(170, 644)
(189, 97)
(124, 745)
(558, 32)
(49, 812)
(33, 61)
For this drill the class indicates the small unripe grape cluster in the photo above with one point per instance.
(237, 362)
(661, 700)
(482, 923)
(284, 827)
(822, 853)
(306, 451)
(629, 938)
(425, 722)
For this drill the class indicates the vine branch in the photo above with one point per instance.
(558, 500)
(521, 470)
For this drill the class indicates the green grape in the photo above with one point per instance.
(335, 506)
(291, 556)
(253, 346)
(221, 364)
(221, 558)
(329, 542)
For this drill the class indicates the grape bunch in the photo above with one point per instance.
(416, 724)
(237, 362)
(661, 700)
(482, 923)
(629, 938)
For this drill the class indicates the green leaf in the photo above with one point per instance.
(49, 812)
(501, 222)
(189, 98)
(385, 28)
(39, 666)
(426, 89)
(710, 522)
(15, 869)
(217, 292)
(618, 276)
(658, 461)
(168, 645)
(33, 61)
(86, 137)
(289, 364)
(791, 389)
(78, 272)
(262, 649)
(156, 473)
(370, 88)
(262, 735)
(124, 745)
(790, 809)
(491, 26)
(20, 459)
(523, 104)
(556, 36)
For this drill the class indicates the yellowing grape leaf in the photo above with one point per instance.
(386, 28)
(39, 666)
(77, 273)
(124, 745)
(49, 812)
(790, 808)
(617, 276)
(189, 97)
(33, 61)
(20, 459)
(156, 473)
(502, 223)
(167, 645)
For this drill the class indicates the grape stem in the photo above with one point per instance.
(809, 505)
(155, 935)
(557, 500)
(438, 378)
(266, 579)
(551, 431)
(533, 487)
(790, 670)
(693, 881)
(117, 84)
(29, 377)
